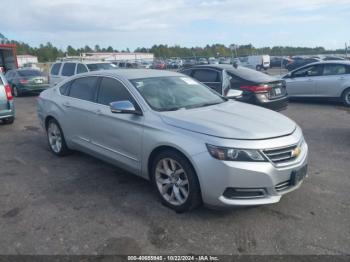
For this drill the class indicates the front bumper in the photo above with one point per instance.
(216, 176)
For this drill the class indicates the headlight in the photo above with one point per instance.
(235, 154)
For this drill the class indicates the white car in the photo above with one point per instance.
(257, 62)
(62, 70)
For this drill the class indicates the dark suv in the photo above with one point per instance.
(256, 87)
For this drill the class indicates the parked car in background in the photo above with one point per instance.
(333, 58)
(213, 61)
(299, 62)
(278, 61)
(257, 62)
(7, 107)
(189, 63)
(194, 145)
(245, 84)
(224, 60)
(202, 61)
(64, 69)
(24, 81)
(159, 64)
(327, 79)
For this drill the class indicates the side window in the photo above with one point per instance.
(83, 88)
(186, 72)
(329, 69)
(68, 69)
(64, 88)
(206, 76)
(56, 69)
(308, 71)
(81, 69)
(112, 90)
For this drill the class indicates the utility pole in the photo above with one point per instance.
(346, 50)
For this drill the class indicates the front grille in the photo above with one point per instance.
(281, 155)
(283, 185)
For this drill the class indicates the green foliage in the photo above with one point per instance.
(49, 53)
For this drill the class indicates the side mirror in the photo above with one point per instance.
(124, 107)
(234, 93)
(289, 75)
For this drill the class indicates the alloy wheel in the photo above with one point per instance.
(172, 181)
(55, 137)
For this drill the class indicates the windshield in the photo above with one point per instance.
(173, 93)
(26, 73)
(101, 66)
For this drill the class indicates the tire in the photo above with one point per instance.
(258, 67)
(179, 190)
(15, 92)
(346, 97)
(55, 137)
(9, 120)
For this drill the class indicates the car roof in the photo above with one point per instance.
(344, 62)
(134, 73)
(240, 71)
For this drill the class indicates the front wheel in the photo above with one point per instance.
(175, 181)
(346, 97)
(258, 67)
(56, 139)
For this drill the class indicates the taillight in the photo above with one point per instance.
(8, 92)
(23, 81)
(257, 88)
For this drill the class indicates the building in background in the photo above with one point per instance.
(8, 59)
(117, 56)
(26, 60)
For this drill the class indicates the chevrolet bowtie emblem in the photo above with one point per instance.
(296, 152)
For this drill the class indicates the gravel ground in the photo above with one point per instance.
(80, 205)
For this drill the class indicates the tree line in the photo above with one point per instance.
(48, 53)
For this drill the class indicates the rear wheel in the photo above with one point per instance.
(346, 97)
(175, 181)
(9, 120)
(56, 139)
(258, 67)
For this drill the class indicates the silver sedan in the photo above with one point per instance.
(192, 144)
(328, 79)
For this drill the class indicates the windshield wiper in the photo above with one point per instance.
(203, 105)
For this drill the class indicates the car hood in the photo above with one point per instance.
(232, 120)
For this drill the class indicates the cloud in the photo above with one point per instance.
(80, 19)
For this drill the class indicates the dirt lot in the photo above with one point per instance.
(80, 205)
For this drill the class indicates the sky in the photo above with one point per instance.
(141, 23)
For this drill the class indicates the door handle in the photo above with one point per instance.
(309, 80)
(66, 104)
(341, 78)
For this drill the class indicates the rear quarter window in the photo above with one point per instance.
(68, 69)
(56, 69)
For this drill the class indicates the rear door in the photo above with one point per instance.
(78, 106)
(331, 83)
(302, 82)
(209, 77)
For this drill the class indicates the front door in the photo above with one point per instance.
(117, 136)
(302, 82)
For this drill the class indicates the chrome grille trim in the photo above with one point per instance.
(282, 186)
(282, 156)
